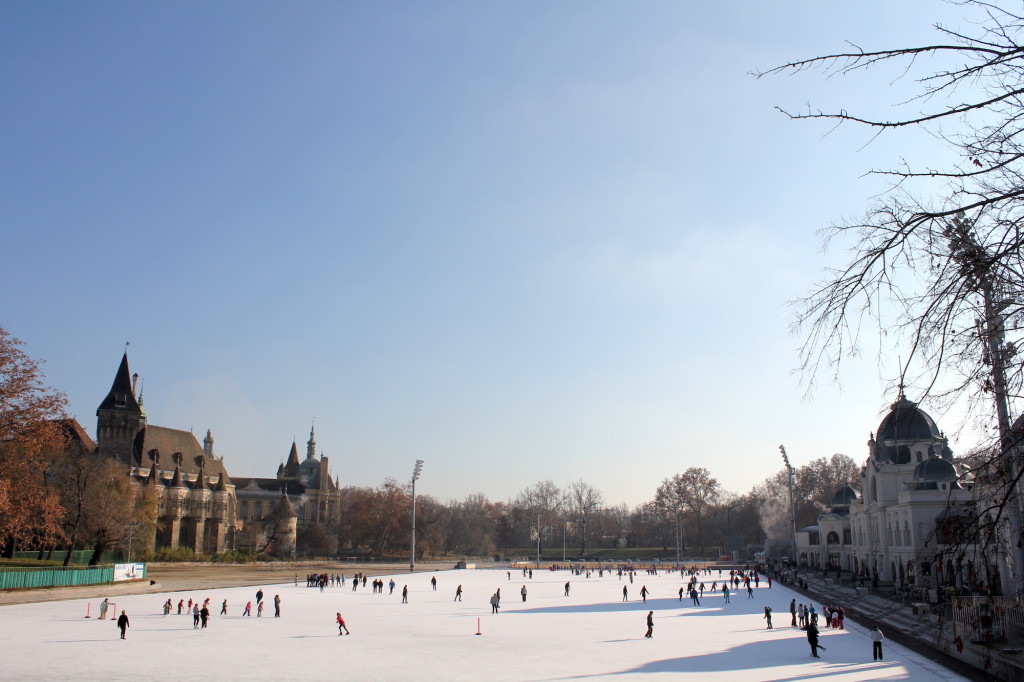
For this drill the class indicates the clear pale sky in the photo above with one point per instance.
(517, 240)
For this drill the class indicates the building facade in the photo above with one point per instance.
(892, 531)
(201, 507)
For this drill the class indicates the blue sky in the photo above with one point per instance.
(518, 240)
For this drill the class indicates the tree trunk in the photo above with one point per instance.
(97, 552)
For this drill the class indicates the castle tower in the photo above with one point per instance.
(311, 443)
(119, 418)
(208, 444)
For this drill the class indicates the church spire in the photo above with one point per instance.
(311, 444)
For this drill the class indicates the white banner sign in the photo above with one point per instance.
(129, 571)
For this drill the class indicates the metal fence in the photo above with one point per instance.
(988, 619)
(56, 576)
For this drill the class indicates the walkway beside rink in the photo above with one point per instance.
(590, 634)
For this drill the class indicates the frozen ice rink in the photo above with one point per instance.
(589, 634)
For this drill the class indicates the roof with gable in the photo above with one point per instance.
(121, 395)
(75, 434)
(161, 441)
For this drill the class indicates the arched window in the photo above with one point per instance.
(832, 538)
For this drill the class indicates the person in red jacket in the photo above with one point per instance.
(342, 626)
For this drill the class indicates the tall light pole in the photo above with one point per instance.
(792, 508)
(412, 550)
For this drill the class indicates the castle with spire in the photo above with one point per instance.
(201, 507)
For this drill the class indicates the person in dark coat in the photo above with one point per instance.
(277, 606)
(122, 623)
(523, 592)
(812, 639)
(458, 593)
(644, 593)
(768, 616)
(259, 596)
(650, 625)
(204, 615)
(405, 594)
(792, 611)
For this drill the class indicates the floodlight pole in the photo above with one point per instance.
(412, 550)
(792, 508)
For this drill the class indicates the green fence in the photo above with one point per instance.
(57, 576)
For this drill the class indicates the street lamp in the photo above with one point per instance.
(792, 509)
(415, 477)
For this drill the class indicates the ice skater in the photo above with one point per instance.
(104, 605)
(523, 592)
(248, 609)
(566, 589)
(433, 583)
(277, 606)
(876, 643)
(458, 593)
(768, 616)
(792, 611)
(644, 593)
(122, 623)
(812, 639)
(650, 625)
(342, 626)
(224, 608)
(625, 593)
(494, 603)
(405, 594)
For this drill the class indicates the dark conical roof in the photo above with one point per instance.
(285, 510)
(221, 487)
(154, 477)
(291, 468)
(121, 395)
(176, 480)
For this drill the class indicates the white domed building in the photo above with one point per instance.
(910, 486)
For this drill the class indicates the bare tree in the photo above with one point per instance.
(937, 261)
(583, 501)
(543, 501)
(913, 254)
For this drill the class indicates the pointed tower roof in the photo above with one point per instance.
(285, 510)
(221, 487)
(291, 468)
(176, 480)
(121, 395)
(154, 477)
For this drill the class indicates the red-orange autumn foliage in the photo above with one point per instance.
(30, 512)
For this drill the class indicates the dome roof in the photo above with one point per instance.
(845, 496)
(935, 469)
(906, 421)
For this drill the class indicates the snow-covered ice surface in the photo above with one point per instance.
(589, 634)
